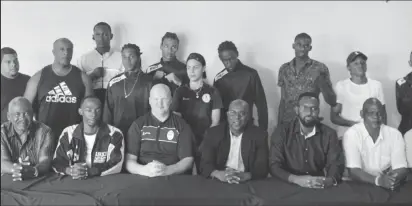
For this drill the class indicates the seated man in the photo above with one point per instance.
(305, 151)
(235, 151)
(27, 146)
(375, 153)
(160, 142)
(91, 148)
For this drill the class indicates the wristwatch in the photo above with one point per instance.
(36, 172)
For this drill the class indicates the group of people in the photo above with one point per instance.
(107, 115)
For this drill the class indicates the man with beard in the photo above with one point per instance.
(375, 153)
(13, 83)
(128, 93)
(102, 63)
(90, 148)
(27, 146)
(169, 71)
(235, 151)
(305, 151)
(58, 89)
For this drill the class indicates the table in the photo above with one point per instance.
(127, 189)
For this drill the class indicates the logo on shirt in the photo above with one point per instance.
(154, 67)
(170, 135)
(61, 94)
(186, 98)
(206, 98)
(401, 81)
(100, 157)
(221, 74)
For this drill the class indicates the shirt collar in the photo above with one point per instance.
(107, 54)
(165, 62)
(12, 133)
(298, 130)
(79, 131)
(364, 132)
(235, 137)
(292, 63)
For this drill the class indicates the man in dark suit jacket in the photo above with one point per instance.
(235, 151)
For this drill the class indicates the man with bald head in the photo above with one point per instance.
(375, 152)
(27, 146)
(91, 148)
(57, 89)
(160, 142)
(235, 151)
(306, 152)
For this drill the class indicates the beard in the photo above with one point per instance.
(309, 123)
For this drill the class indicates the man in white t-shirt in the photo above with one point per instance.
(103, 62)
(375, 153)
(352, 92)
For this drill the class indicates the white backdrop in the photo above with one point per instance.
(263, 32)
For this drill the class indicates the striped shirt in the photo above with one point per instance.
(39, 139)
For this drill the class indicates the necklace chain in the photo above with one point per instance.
(124, 86)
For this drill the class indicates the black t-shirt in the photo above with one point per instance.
(11, 88)
(174, 66)
(167, 142)
(59, 98)
(196, 107)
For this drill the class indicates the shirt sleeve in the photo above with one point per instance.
(115, 152)
(48, 144)
(335, 163)
(281, 81)
(350, 146)
(399, 104)
(276, 154)
(325, 86)
(5, 153)
(380, 96)
(339, 92)
(217, 100)
(208, 155)
(185, 143)
(398, 154)
(108, 107)
(261, 104)
(61, 159)
(133, 140)
(260, 166)
(175, 106)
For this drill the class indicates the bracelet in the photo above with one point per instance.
(377, 180)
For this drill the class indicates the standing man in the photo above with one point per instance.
(238, 81)
(160, 142)
(102, 63)
(169, 70)
(404, 100)
(27, 146)
(352, 92)
(58, 89)
(128, 93)
(13, 83)
(300, 75)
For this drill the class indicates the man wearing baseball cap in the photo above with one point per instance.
(353, 92)
(127, 95)
(404, 100)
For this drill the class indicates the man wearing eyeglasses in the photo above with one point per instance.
(235, 151)
(27, 146)
(300, 75)
(306, 152)
(169, 71)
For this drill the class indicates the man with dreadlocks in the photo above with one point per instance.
(127, 95)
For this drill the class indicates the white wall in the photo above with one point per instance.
(262, 31)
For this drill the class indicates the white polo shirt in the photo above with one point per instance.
(352, 96)
(374, 157)
(111, 61)
(235, 160)
(408, 145)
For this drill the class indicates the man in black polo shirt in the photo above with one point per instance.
(159, 143)
(169, 70)
(238, 81)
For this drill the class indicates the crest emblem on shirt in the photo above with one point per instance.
(206, 98)
(170, 135)
(100, 157)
